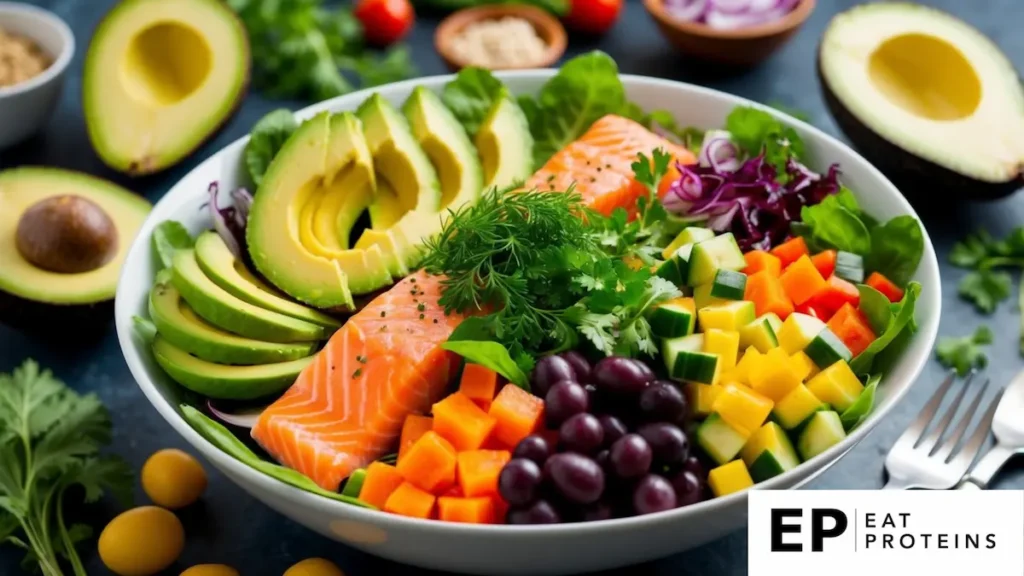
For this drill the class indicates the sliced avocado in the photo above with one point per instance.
(220, 265)
(160, 79)
(220, 308)
(386, 209)
(505, 144)
(177, 323)
(925, 97)
(447, 145)
(222, 381)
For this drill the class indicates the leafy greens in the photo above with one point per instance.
(964, 353)
(985, 286)
(471, 95)
(900, 323)
(266, 138)
(169, 237)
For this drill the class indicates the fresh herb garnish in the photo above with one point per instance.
(266, 138)
(168, 237)
(758, 132)
(490, 355)
(471, 95)
(964, 353)
(50, 438)
(985, 286)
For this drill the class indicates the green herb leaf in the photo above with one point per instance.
(831, 224)
(861, 407)
(899, 322)
(490, 355)
(169, 237)
(471, 95)
(896, 249)
(876, 307)
(758, 132)
(985, 289)
(267, 137)
(964, 353)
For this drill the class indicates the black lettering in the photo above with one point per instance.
(904, 539)
(973, 541)
(991, 539)
(888, 522)
(905, 516)
(869, 520)
(869, 539)
(818, 531)
(943, 541)
(887, 541)
(925, 537)
(779, 527)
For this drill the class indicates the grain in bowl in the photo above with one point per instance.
(507, 42)
(21, 59)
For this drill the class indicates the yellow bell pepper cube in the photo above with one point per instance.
(730, 316)
(774, 375)
(796, 407)
(804, 366)
(725, 344)
(701, 397)
(742, 407)
(837, 385)
(729, 478)
(741, 373)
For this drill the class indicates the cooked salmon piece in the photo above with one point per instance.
(599, 164)
(347, 407)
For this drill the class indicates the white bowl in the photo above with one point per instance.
(558, 549)
(26, 107)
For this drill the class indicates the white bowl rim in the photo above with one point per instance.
(60, 62)
(337, 509)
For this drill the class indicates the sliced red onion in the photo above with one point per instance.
(243, 203)
(731, 6)
(764, 5)
(230, 221)
(243, 418)
(727, 21)
(688, 10)
(719, 152)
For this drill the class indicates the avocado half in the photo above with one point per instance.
(71, 233)
(927, 98)
(160, 77)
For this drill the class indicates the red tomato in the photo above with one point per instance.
(384, 21)
(593, 16)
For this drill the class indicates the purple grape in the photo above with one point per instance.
(563, 400)
(549, 370)
(694, 466)
(518, 481)
(662, 402)
(603, 460)
(580, 366)
(534, 448)
(687, 487)
(630, 456)
(581, 433)
(649, 375)
(613, 428)
(653, 494)
(593, 398)
(668, 443)
(597, 511)
(617, 375)
(577, 478)
(540, 512)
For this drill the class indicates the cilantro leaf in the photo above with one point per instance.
(964, 353)
(471, 95)
(266, 138)
(985, 289)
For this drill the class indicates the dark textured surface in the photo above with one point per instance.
(230, 527)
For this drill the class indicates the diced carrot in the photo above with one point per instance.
(852, 327)
(413, 428)
(791, 250)
(801, 280)
(469, 510)
(408, 500)
(479, 384)
(380, 481)
(836, 293)
(812, 309)
(766, 292)
(454, 491)
(429, 463)
(462, 422)
(758, 260)
(879, 282)
(518, 413)
(478, 471)
(825, 262)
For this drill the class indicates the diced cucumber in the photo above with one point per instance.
(837, 385)
(713, 254)
(850, 267)
(796, 407)
(826, 349)
(729, 316)
(689, 235)
(701, 397)
(769, 453)
(674, 318)
(822, 432)
(727, 285)
(669, 271)
(686, 360)
(761, 333)
(797, 332)
(354, 483)
(676, 266)
(721, 441)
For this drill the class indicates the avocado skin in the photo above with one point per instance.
(43, 320)
(918, 179)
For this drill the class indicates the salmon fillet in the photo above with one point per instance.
(599, 164)
(346, 409)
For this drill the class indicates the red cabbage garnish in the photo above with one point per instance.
(230, 221)
(750, 201)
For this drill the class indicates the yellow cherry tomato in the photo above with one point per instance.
(314, 567)
(141, 541)
(173, 479)
(210, 570)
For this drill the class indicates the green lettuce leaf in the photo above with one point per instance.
(471, 95)
(896, 249)
(490, 355)
(898, 324)
(169, 237)
(267, 137)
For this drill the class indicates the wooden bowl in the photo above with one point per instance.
(743, 46)
(547, 26)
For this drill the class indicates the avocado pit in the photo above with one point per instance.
(66, 234)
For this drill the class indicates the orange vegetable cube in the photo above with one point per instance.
(479, 384)
(380, 481)
(518, 413)
(477, 471)
(478, 510)
(790, 251)
(462, 422)
(889, 289)
(408, 500)
(758, 260)
(825, 262)
(413, 428)
(766, 292)
(429, 463)
(801, 280)
(853, 328)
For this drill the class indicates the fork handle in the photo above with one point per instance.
(986, 469)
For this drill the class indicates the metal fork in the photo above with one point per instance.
(924, 457)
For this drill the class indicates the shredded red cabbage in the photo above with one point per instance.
(750, 202)
(230, 221)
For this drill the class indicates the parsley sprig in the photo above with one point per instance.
(964, 353)
(644, 236)
(986, 285)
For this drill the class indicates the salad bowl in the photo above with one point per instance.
(502, 549)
